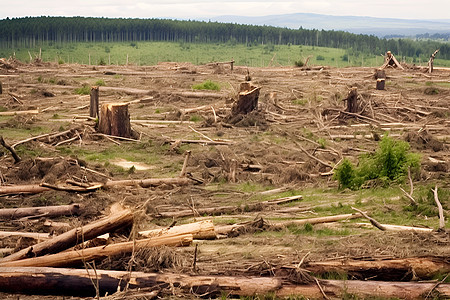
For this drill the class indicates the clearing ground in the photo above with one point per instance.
(287, 147)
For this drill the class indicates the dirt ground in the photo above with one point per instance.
(299, 111)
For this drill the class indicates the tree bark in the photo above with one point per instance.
(115, 120)
(79, 282)
(93, 108)
(32, 235)
(77, 257)
(74, 236)
(47, 211)
(381, 83)
(203, 230)
(247, 99)
(1, 88)
(352, 100)
(389, 269)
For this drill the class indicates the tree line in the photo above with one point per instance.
(31, 32)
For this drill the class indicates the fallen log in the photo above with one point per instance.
(19, 112)
(47, 211)
(211, 211)
(383, 269)
(203, 230)
(74, 236)
(390, 227)
(78, 282)
(77, 257)
(145, 183)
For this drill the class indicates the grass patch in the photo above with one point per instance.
(84, 90)
(309, 229)
(100, 82)
(207, 85)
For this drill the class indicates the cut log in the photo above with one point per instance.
(78, 282)
(19, 112)
(203, 230)
(318, 220)
(93, 108)
(74, 236)
(77, 257)
(47, 211)
(389, 269)
(114, 120)
(247, 99)
(390, 227)
(352, 100)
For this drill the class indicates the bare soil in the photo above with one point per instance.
(297, 109)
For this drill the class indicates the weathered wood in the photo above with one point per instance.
(383, 269)
(74, 236)
(1, 88)
(93, 108)
(33, 235)
(22, 189)
(390, 227)
(318, 220)
(77, 257)
(440, 209)
(114, 120)
(391, 61)
(430, 61)
(10, 149)
(247, 99)
(203, 230)
(78, 282)
(47, 211)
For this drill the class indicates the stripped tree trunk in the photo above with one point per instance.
(93, 109)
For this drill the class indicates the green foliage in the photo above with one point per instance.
(320, 57)
(390, 163)
(207, 85)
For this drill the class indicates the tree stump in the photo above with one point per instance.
(247, 99)
(380, 83)
(352, 100)
(1, 88)
(380, 76)
(114, 120)
(93, 109)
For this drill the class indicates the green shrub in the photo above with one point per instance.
(320, 57)
(100, 82)
(299, 63)
(207, 85)
(390, 163)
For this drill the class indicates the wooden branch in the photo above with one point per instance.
(372, 221)
(22, 189)
(203, 230)
(390, 227)
(48, 211)
(441, 210)
(409, 196)
(206, 142)
(312, 156)
(74, 236)
(77, 282)
(10, 149)
(145, 183)
(77, 257)
(383, 269)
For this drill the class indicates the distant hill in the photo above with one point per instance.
(380, 27)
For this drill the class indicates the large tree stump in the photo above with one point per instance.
(93, 109)
(352, 100)
(114, 119)
(247, 99)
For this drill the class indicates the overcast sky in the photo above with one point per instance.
(190, 9)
